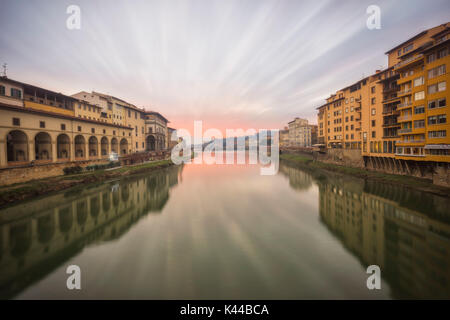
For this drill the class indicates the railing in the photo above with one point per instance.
(409, 155)
(403, 92)
(405, 130)
(405, 62)
(405, 104)
(403, 118)
(411, 141)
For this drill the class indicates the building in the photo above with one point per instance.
(399, 113)
(150, 128)
(40, 126)
(283, 137)
(300, 133)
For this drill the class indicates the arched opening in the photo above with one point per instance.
(17, 145)
(80, 147)
(43, 146)
(106, 202)
(65, 219)
(123, 146)
(115, 198)
(20, 239)
(63, 146)
(45, 228)
(125, 193)
(93, 147)
(82, 212)
(150, 143)
(95, 206)
(104, 146)
(114, 145)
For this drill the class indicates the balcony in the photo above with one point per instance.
(391, 124)
(404, 105)
(404, 92)
(391, 89)
(410, 60)
(404, 118)
(404, 130)
(413, 141)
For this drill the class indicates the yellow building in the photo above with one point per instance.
(399, 113)
(40, 126)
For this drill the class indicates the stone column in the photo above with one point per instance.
(3, 154)
(54, 152)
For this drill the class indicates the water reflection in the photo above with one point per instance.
(38, 236)
(405, 232)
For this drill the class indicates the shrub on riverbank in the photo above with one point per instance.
(72, 170)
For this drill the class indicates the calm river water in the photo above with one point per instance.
(226, 232)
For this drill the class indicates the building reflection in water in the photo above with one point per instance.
(38, 236)
(405, 232)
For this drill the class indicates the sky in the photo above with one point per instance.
(229, 63)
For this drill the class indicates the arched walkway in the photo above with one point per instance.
(93, 147)
(80, 147)
(150, 143)
(43, 146)
(63, 146)
(123, 146)
(104, 146)
(17, 146)
(114, 145)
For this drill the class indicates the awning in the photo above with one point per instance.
(438, 146)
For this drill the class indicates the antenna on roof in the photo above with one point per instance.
(5, 65)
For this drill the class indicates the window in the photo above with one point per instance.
(431, 58)
(419, 123)
(439, 119)
(2, 90)
(408, 48)
(129, 113)
(104, 131)
(63, 126)
(437, 87)
(137, 145)
(41, 124)
(79, 128)
(373, 111)
(16, 121)
(372, 89)
(419, 109)
(114, 132)
(93, 130)
(436, 72)
(399, 52)
(419, 95)
(16, 93)
(373, 134)
(439, 103)
(373, 100)
(373, 123)
(418, 81)
(437, 134)
(442, 53)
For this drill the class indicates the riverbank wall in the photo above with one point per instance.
(435, 173)
(35, 171)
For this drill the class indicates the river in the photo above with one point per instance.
(227, 232)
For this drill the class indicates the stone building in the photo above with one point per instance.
(40, 126)
(300, 133)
